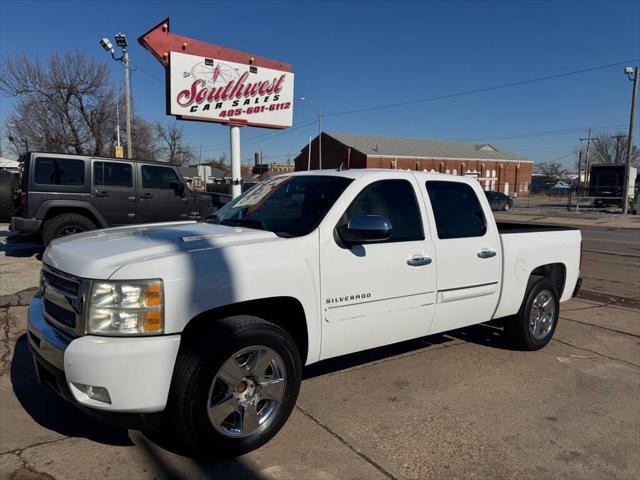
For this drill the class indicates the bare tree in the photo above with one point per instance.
(606, 149)
(145, 142)
(552, 170)
(66, 105)
(171, 144)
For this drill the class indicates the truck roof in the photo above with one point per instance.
(355, 173)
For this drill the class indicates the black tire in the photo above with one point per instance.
(8, 184)
(507, 206)
(194, 384)
(518, 328)
(65, 224)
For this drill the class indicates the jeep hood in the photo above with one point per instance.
(99, 253)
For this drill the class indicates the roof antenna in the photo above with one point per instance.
(340, 168)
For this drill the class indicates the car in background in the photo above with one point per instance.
(499, 201)
(60, 195)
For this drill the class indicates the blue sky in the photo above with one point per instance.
(351, 55)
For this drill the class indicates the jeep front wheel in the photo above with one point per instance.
(234, 389)
(65, 224)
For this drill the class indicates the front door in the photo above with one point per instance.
(469, 257)
(378, 293)
(160, 198)
(113, 192)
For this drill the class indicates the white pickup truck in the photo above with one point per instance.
(205, 327)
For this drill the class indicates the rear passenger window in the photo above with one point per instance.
(112, 174)
(456, 209)
(396, 201)
(59, 171)
(158, 177)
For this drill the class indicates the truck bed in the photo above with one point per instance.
(524, 249)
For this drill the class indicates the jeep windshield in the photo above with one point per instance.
(289, 206)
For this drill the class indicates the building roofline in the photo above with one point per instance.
(462, 159)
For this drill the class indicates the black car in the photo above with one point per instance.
(64, 194)
(499, 201)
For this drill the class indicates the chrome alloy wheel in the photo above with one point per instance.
(246, 392)
(542, 315)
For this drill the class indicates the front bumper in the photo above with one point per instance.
(135, 371)
(27, 225)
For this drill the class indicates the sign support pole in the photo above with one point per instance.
(236, 187)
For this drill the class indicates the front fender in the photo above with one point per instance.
(202, 279)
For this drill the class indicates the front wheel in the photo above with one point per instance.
(234, 388)
(534, 325)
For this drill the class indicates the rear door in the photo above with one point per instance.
(113, 191)
(468, 252)
(159, 198)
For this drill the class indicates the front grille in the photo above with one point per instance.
(63, 300)
(64, 285)
(61, 315)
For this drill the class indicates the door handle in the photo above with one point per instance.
(131, 199)
(101, 194)
(146, 195)
(486, 253)
(419, 261)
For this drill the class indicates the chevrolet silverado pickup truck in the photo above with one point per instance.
(204, 327)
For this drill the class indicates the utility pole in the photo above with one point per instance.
(586, 156)
(632, 74)
(579, 170)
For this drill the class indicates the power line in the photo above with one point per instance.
(269, 136)
(147, 73)
(480, 90)
(541, 134)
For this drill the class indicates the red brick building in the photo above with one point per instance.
(495, 168)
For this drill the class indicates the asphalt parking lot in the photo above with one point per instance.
(460, 405)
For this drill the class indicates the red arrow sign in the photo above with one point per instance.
(159, 41)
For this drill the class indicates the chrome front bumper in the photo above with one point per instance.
(49, 342)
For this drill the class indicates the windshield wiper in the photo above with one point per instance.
(243, 222)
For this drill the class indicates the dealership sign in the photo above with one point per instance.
(224, 91)
(212, 83)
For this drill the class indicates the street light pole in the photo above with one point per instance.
(127, 93)
(632, 73)
(319, 114)
(121, 41)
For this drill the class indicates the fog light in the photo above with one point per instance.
(100, 394)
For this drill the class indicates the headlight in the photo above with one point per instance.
(130, 307)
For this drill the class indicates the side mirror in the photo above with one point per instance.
(366, 229)
(178, 188)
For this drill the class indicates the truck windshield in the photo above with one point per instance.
(289, 206)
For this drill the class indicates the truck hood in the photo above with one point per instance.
(99, 253)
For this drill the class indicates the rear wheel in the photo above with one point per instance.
(507, 206)
(234, 388)
(534, 325)
(65, 224)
